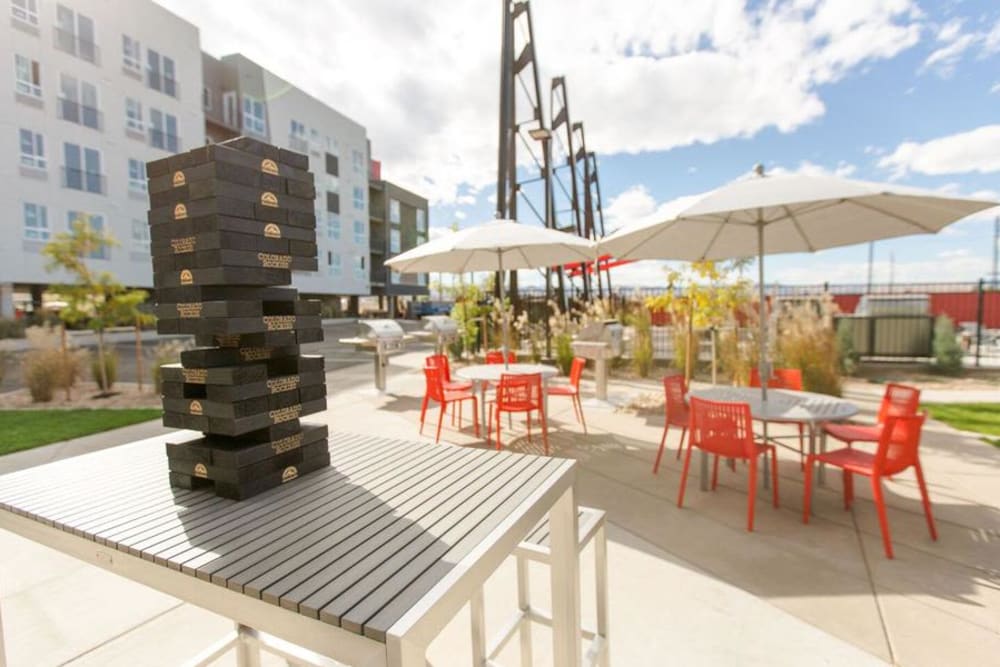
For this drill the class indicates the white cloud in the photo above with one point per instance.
(438, 232)
(422, 77)
(461, 215)
(995, 88)
(842, 170)
(956, 43)
(976, 150)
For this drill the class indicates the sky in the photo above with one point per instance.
(676, 98)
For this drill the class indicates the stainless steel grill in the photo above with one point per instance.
(610, 332)
(442, 328)
(383, 337)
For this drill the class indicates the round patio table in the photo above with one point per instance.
(483, 374)
(783, 406)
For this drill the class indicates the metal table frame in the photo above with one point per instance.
(407, 639)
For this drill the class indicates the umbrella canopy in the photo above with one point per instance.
(495, 246)
(798, 213)
(763, 214)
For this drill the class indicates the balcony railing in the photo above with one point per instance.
(81, 114)
(28, 89)
(77, 46)
(376, 243)
(87, 181)
(298, 144)
(160, 139)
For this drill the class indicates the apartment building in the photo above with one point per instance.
(92, 90)
(241, 97)
(399, 221)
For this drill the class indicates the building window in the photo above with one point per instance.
(422, 279)
(333, 264)
(358, 159)
(25, 10)
(82, 169)
(333, 226)
(315, 144)
(332, 165)
(75, 34)
(169, 77)
(254, 116)
(332, 146)
(333, 202)
(394, 240)
(394, 211)
(359, 232)
(131, 55)
(78, 102)
(136, 175)
(359, 267)
(133, 115)
(27, 77)
(359, 198)
(394, 277)
(421, 220)
(297, 137)
(32, 149)
(333, 184)
(140, 236)
(163, 131)
(206, 98)
(36, 222)
(160, 74)
(96, 223)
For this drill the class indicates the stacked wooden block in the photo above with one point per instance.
(229, 223)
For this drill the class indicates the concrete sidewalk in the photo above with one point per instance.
(687, 586)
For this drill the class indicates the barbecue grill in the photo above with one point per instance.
(600, 341)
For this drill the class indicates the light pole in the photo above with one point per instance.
(544, 135)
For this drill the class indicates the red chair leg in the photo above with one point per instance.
(715, 471)
(527, 416)
(802, 446)
(807, 494)
(684, 430)
(926, 500)
(883, 519)
(774, 474)
(663, 443)
(423, 413)
(444, 407)
(752, 500)
(499, 443)
(684, 477)
(579, 406)
(489, 425)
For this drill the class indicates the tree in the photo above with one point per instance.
(95, 297)
(705, 295)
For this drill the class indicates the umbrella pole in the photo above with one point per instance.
(762, 366)
(503, 309)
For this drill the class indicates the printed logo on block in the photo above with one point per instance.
(195, 407)
(179, 179)
(180, 212)
(269, 166)
(272, 231)
(289, 473)
(186, 277)
(200, 470)
(269, 199)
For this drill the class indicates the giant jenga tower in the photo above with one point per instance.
(229, 223)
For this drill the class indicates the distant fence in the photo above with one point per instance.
(974, 307)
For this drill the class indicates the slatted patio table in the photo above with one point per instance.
(363, 562)
(784, 406)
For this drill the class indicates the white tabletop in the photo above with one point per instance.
(492, 372)
(782, 404)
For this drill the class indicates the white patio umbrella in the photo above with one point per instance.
(764, 214)
(497, 245)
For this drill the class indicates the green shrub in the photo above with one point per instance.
(11, 328)
(564, 352)
(806, 340)
(642, 344)
(43, 373)
(110, 369)
(947, 350)
(845, 344)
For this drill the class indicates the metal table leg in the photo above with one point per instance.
(703, 468)
(565, 577)
(821, 476)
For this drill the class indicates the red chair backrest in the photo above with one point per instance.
(722, 428)
(675, 393)
(899, 400)
(781, 378)
(898, 443)
(519, 391)
(576, 370)
(441, 361)
(494, 357)
(433, 377)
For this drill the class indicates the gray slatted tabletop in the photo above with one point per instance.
(356, 545)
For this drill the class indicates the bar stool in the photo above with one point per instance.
(535, 547)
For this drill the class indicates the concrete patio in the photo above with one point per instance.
(687, 586)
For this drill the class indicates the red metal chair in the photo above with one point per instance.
(435, 391)
(726, 430)
(441, 360)
(573, 389)
(519, 393)
(898, 443)
(899, 400)
(677, 413)
(785, 378)
(496, 357)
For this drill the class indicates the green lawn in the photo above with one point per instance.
(24, 429)
(979, 417)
